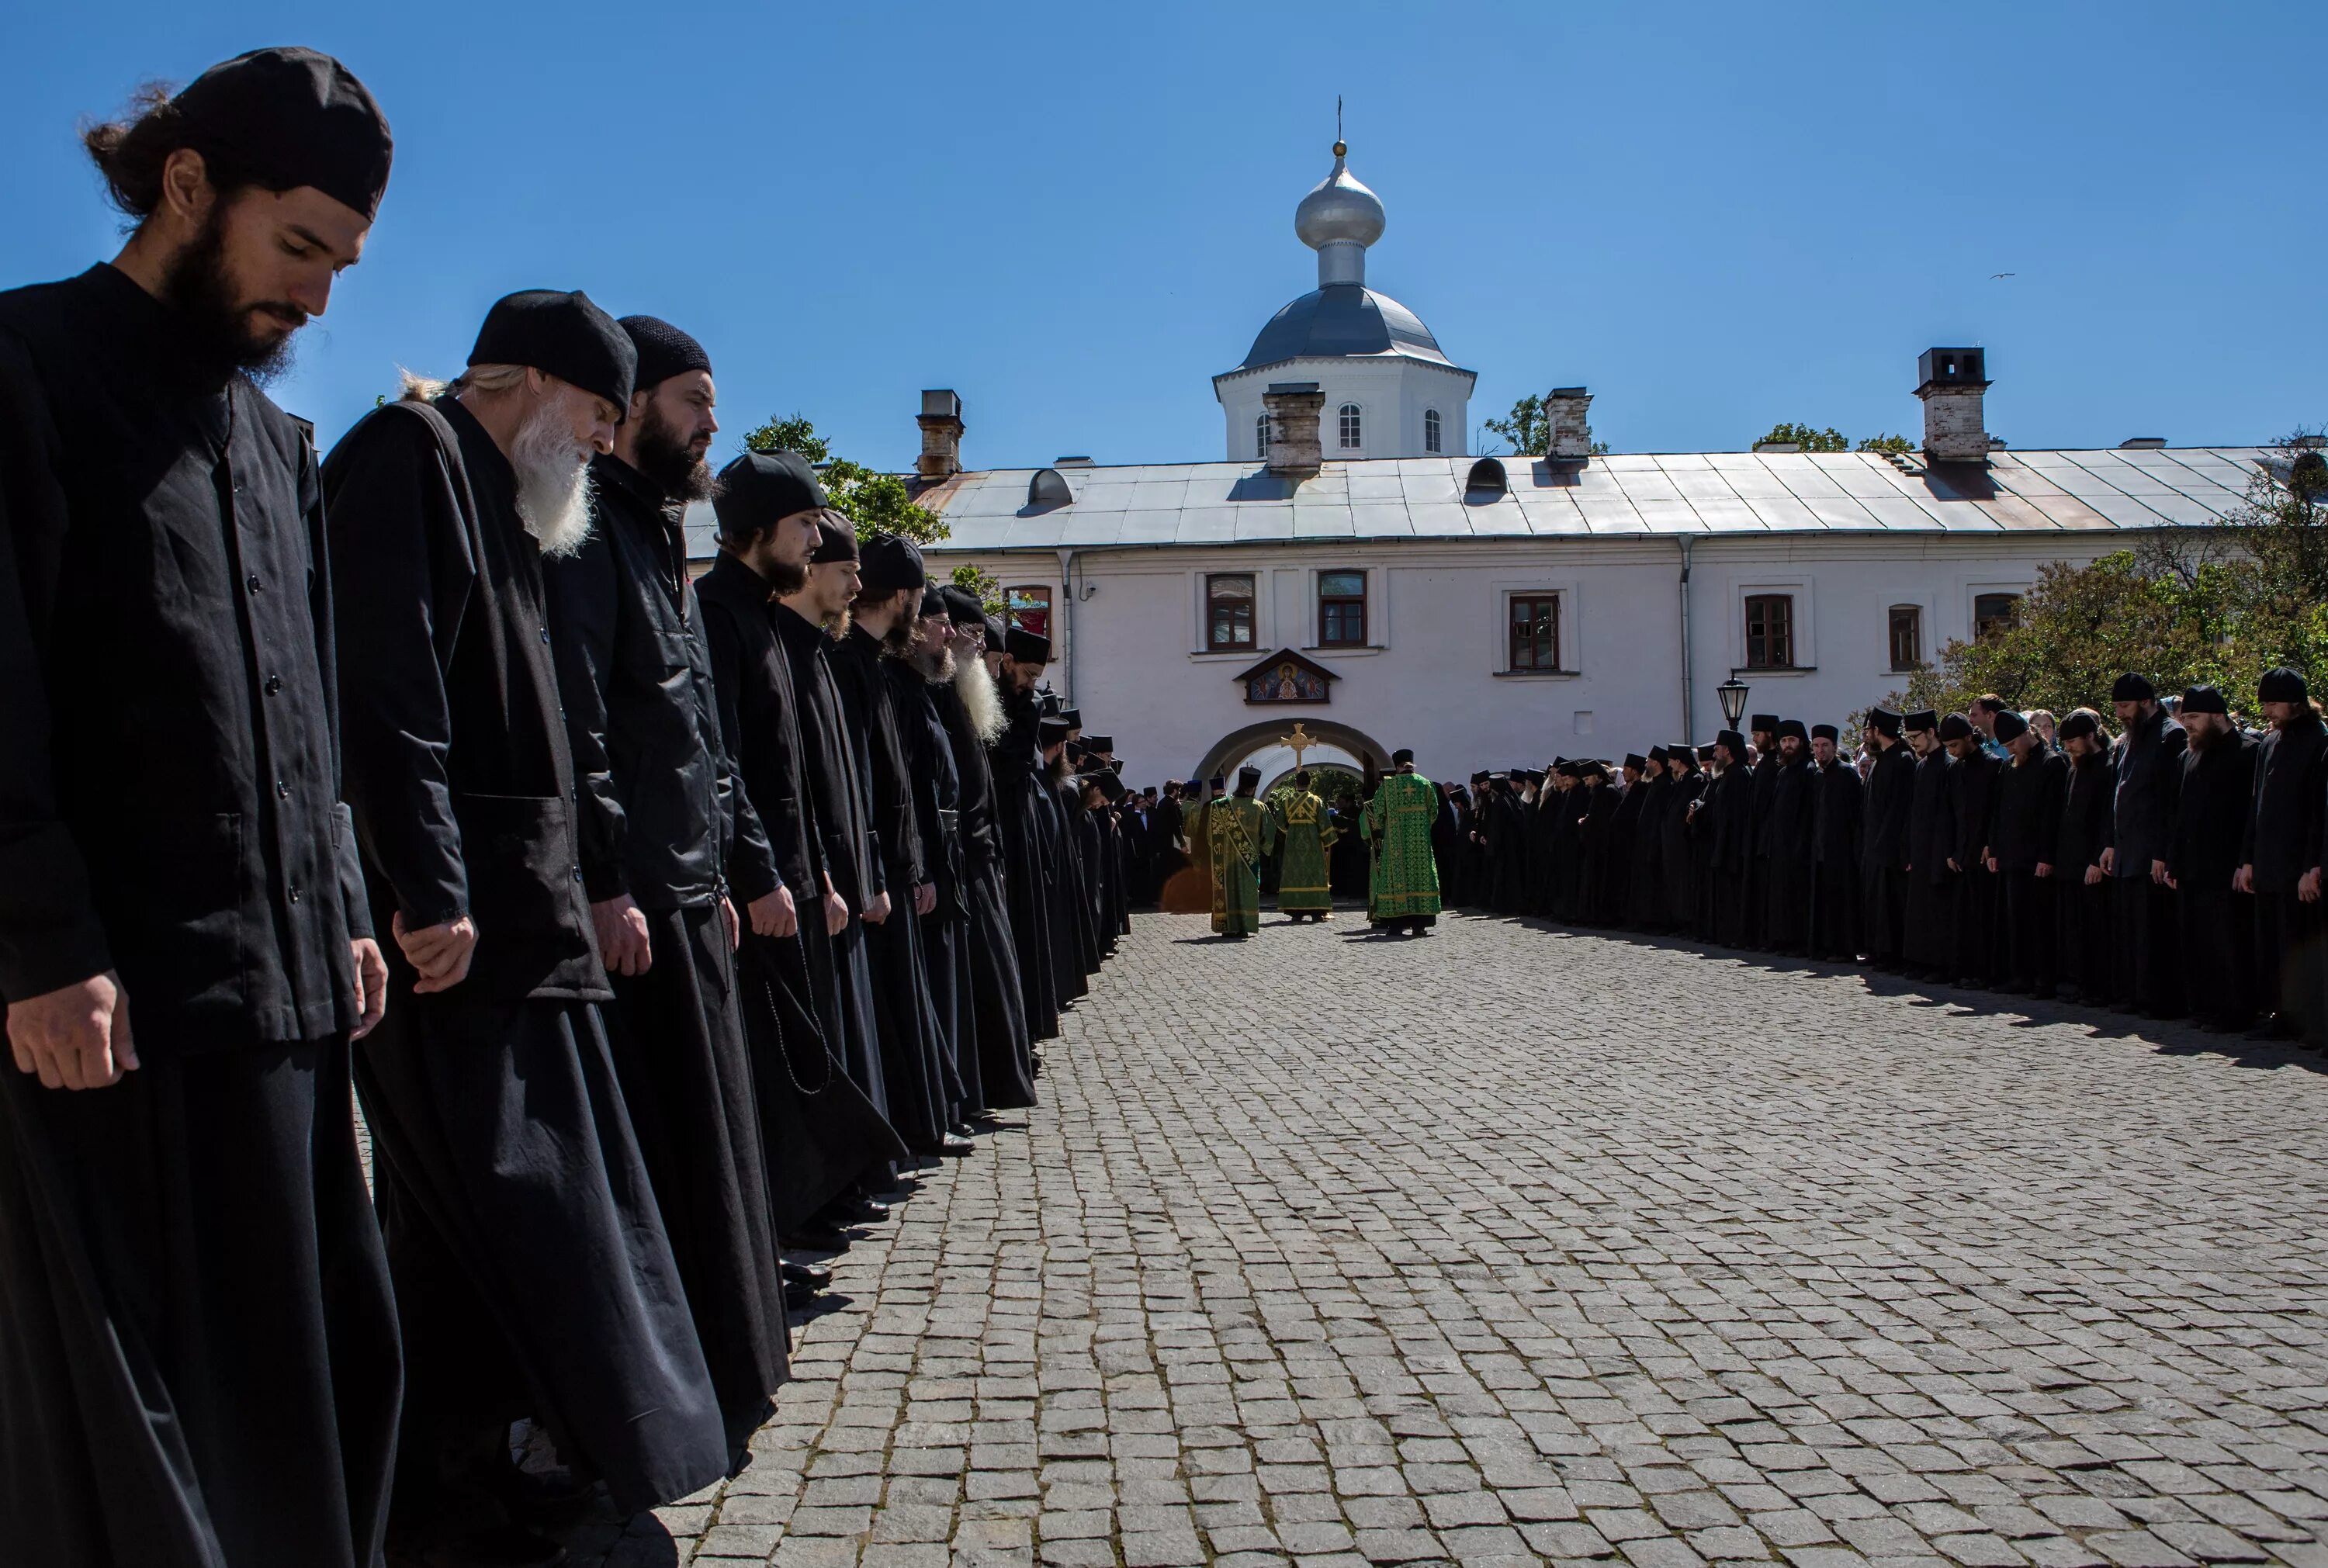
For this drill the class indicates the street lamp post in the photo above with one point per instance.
(1732, 693)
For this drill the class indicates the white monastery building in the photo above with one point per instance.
(1347, 566)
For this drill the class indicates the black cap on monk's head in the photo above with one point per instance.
(961, 605)
(2133, 688)
(664, 350)
(1955, 726)
(2077, 724)
(2280, 685)
(1883, 721)
(760, 489)
(1793, 727)
(997, 641)
(2204, 700)
(835, 542)
(1764, 722)
(2010, 726)
(1922, 718)
(285, 117)
(562, 335)
(1404, 755)
(1026, 647)
(889, 562)
(1826, 732)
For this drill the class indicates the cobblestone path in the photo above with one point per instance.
(1511, 1245)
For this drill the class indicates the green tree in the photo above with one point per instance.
(1810, 440)
(1529, 429)
(1899, 444)
(875, 501)
(985, 584)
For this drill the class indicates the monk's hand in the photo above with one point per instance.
(2307, 887)
(2243, 879)
(879, 910)
(2158, 874)
(371, 985)
(440, 954)
(728, 924)
(2044, 868)
(773, 914)
(622, 928)
(2109, 861)
(926, 898)
(76, 1037)
(2094, 875)
(836, 914)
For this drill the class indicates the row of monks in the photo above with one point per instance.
(658, 924)
(2164, 861)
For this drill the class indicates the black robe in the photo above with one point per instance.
(1023, 811)
(2218, 920)
(2028, 825)
(1677, 859)
(2082, 906)
(1730, 804)
(1596, 855)
(821, 1134)
(1625, 828)
(1754, 896)
(1883, 854)
(1507, 835)
(1646, 878)
(199, 1358)
(1450, 839)
(1836, 857)
(2283, 841)
(1979, 907)
(534, 1275)
(997, 1014)
(1790, 853)
(945, 929)
(1931, 932)
(917, 1059)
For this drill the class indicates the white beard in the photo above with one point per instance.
(553, 484)
(980, 700)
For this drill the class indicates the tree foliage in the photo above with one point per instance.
(1897, 444)
(2185, 607)
(875, 501)
(1528, 429)
(985, 584)
(1808, 437)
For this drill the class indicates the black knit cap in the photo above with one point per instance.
(664, 350)
(2133, 688)
(285, 117)
(1826, 732)
(1026, 647)
(760, 489)
(890, 562)
(1955, 726)
(996, 640)
(961, 605)
(2281, 685)
(835, 542)
(933, 602)
(1793, 727)
(2010, 726)
(2076, 724)
(563, 335)
(2204, 700)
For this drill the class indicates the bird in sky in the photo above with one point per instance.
(1995, 276)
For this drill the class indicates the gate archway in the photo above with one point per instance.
(1238, 745)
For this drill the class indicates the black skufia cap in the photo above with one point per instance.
(1735, 741)
(2076, 724)
(2009, 726)
(2131, 687)
(961, 605)
(1793, 727)
(1885, 721)
(1657, 754)
(835, 542)
(563, 335)
(760, 489)
(1634, 759)
(1405, 753)
(888, 562)
(285, 117)
(933, 602)
(1026, 647)
(2204, 700)
(1763, 721)
(664, 350)
(1955, 726)
(1826, 732)
(997, 641)
(2281, 685)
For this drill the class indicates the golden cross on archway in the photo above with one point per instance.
(1300, 742)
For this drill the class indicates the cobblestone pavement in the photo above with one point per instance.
(1511, 1245)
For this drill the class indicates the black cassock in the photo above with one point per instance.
(822, 1135)
(1625, 835)
(1596, 855)
(1930, 937)
(2082, 908)
(1979, 908)
(1450, 835)
(1730, 804)
(1836, 855)
(2149, 765)
(2211, 820)
(199, 1358)
(1645, 884)
(2282, 842)
(840, 809)
(2030, 792)
(1883, 854)
(662, 822)
(1539, 885)
(1754, 899)
(996, 1014)
(534, 1275)
(1076, 926)
(945, 929)
(1677, 859)
(1022, 810)
(1790, 854)
(916, 1061)
(1507, 835)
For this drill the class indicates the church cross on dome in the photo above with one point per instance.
(1339, 218)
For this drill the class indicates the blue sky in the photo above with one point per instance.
(1716, 216)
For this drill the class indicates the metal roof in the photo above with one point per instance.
(1626, 495)
(1343, 321)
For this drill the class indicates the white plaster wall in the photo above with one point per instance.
(1393, 391)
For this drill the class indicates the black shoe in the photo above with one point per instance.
(2270, 1029)
(811, 1276)
(500, 1546)
(953, 1146)
(814, 1237)
(848, 1211)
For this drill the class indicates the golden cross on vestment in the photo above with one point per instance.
(1300, 742)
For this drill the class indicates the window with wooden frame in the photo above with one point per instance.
(1342, 609)
(1994, 613)
(1261, 435)
(1533, 629)
(1906, 636)
(1769, 631)
(1030, 608)
(1228, 611)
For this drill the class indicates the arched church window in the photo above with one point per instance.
(1431, 429)
(1353, 428)
(1261, 436)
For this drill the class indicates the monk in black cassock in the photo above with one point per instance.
(2082, 898)
(1929, 933)
(2030, 795)
(534, 1275)
(1645, 877)
(1704, 845)
(1506, 831)
(916, 1057)
(1092, 944)
(2202, 864)
(1595, 827)
(1730, 804)
(1979, 912)
(198, 1351)
(1891, 793)
(823, 1136)
(1835, 850)
(2148, 766)
(936, 782)
(1632, 796)
(1790, 843)
(970, 708)
(1166, 832)
(1754, 896)
(1539, 883)
(1022, 809)
(1677, 837)
(2280, 861)
(1346, 860)
(663, 828)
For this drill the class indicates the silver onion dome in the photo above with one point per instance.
(1338, 219)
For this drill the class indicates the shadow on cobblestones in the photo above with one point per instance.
(1516, 1246)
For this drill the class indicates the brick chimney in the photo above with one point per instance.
(941, 423)
(1293, 444)
(1951, 383)
(1570, 433)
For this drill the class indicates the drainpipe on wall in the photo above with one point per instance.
(1066, 599)
(1689, 730)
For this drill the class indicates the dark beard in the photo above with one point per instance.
(664, 459)
(196, 286)
(786, 579)
(898, 639)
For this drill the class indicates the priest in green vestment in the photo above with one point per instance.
(1241, 832)
(1304, 834)
(1397, 823)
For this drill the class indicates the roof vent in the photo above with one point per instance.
(2142, 443)
(1048, 488)
(1778, 445)
(1077, 462)
(1487, 481)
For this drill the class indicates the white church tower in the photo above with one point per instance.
(1388, 391)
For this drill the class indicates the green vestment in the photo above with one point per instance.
(1398, 821)
(1241, 832)
(1301, 882)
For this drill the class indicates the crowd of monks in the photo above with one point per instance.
(2164, 861)
(659, 926)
